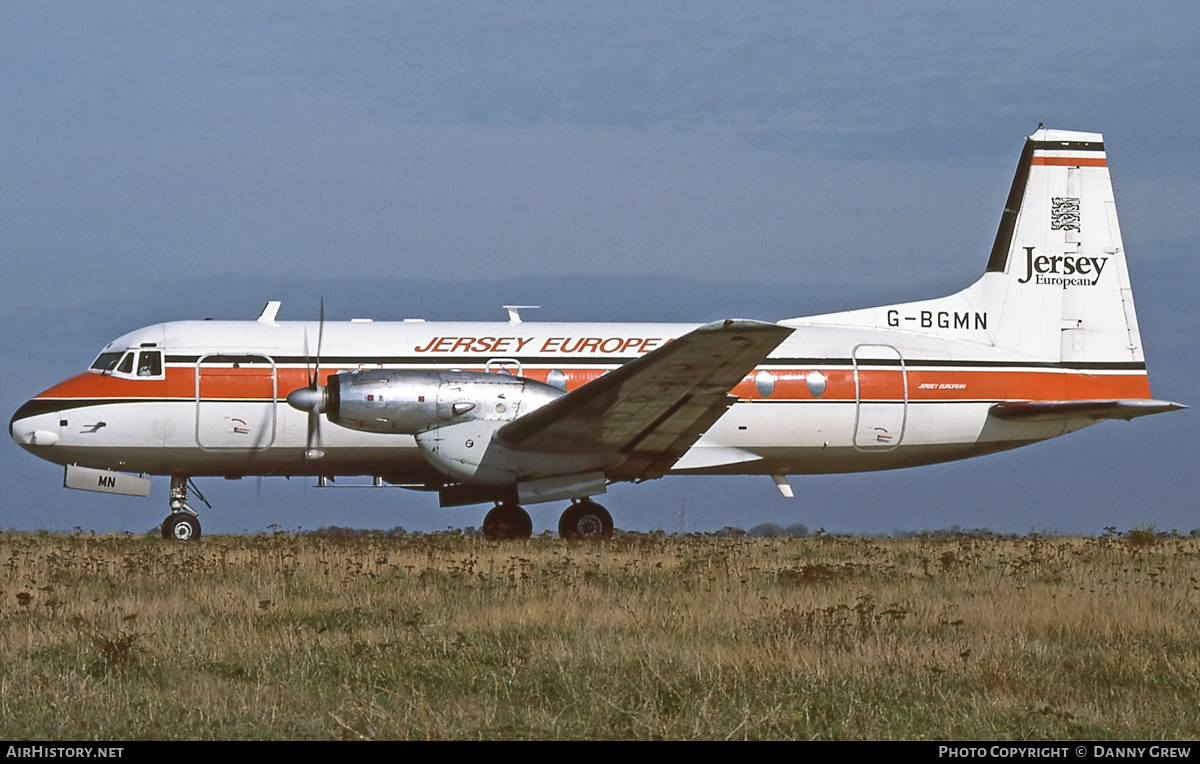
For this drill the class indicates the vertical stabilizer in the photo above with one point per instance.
(1056, 287)
(1065, 294)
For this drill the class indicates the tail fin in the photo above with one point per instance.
(1057, 272)
(1056, 287)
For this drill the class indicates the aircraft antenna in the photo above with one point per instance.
(514, 312)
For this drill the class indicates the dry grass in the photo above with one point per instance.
(644, 637)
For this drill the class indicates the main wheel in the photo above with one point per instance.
(585, 520)
(507, 522)
(181, 526)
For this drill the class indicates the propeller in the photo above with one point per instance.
(313, 398)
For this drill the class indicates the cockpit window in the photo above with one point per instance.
(106, 362)
(149, 363)
(145, 364)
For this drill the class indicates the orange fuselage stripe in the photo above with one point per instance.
(790, 385)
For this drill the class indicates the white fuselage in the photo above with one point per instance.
(829, 399)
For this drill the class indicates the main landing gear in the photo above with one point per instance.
(587, 520)
(182, 524)
(507, 522)
(583, 520)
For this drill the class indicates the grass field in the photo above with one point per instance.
(287, 636)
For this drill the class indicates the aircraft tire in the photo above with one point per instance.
(507, 522)
(585, 520)
(181, 526)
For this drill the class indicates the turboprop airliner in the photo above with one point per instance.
(514, 413)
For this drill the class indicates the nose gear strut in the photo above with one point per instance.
(182, 524)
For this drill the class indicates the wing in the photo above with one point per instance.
(650, 411)
(1127, 408)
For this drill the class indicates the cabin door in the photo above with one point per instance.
(881, 397)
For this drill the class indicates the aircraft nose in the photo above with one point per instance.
(31, 425)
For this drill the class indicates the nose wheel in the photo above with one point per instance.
(180, 526)
(507, 522)
(585, 520)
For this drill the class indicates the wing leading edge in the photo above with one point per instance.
(650, 411)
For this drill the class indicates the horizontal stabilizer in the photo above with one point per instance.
(1128, 408)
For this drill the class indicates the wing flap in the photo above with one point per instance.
(651, 410)
(654, 457)
(1127, 408)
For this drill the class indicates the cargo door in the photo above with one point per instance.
(235, 401)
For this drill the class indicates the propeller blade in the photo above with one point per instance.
(312, 398)
(320, 340)
(308, 361)
(314, 436)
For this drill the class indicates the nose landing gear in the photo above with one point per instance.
(182, 524)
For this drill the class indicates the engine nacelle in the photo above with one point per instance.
(469, 453)
(454, 416)
(411, 402)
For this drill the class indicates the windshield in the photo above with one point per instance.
(106, 361)
(145, 364)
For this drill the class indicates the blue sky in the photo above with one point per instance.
(167, 161)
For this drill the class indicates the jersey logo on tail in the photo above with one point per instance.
(1067, 270)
